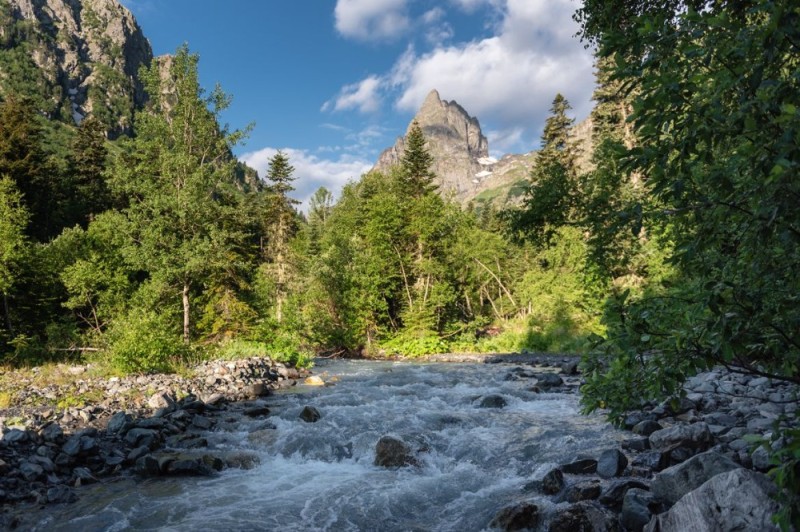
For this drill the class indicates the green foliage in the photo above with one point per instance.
(411, 344)
(550, 198)
(145, 342)
(416, 163)
(715, 99)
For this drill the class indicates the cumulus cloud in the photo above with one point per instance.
(311, 171)
(509, 79)
(371, 20)
(363, 96)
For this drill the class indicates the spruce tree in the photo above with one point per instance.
(87, 169)
(549, 201)
(416, 163)
(24, 161)
(280, 227)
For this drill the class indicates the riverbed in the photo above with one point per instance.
(321, 476)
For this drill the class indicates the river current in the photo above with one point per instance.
(321, 476)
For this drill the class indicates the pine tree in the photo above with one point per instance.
(281, 227)
(416, 163)
(87, 168)
(24, 161)
(550, 199)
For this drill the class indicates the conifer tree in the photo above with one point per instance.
(416, 163)
(24, 161)
(281, 227)
(87, 168)
(549, 201)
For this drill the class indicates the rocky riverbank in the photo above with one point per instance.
(149, 425)
(688, 465)
(676, 471)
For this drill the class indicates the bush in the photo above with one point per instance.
(141, 342)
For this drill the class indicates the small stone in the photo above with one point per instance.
(651, 460)
(148, 465)
(31, 471)
(202, 422)
(73, 445)
(584, 516)
(84, 475)
(118, 422)
(313, 380)
(161, 400)
(52, 432)
(215, 399)
(60, 495)
(695, 436)
(636, 444)
(614, 493)
(393, 452)
(611, 463)
(582, 466)
(492, 401)
(548, 380)
(646, 427)
(156, 423)
(583, 490)
(310, 414)
(15, 436)
(637, 508)
(259, 389)
(137, 453)
(258, 411)
(553, 482)
(523, 516)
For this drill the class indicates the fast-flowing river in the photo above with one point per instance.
(321, 476)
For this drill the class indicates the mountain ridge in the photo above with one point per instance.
(461, 158)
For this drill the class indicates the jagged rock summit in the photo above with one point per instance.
(461, 158)
(85, 55)
(459, 148)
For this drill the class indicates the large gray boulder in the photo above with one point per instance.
(735, 500)
(695, 436)
(676, 481)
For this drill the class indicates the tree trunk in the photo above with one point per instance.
(280, 266)
(186, 312)
(7, 314)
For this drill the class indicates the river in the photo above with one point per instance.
(321, 476)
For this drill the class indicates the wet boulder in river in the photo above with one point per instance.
(393, 452)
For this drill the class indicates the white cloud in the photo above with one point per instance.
(371, 20)
(508, 80)
(363, 96)
(311, 172)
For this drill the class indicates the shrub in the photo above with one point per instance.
(141, 342)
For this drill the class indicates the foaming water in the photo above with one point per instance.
(320, 476)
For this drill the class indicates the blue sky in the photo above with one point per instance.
(332, 83)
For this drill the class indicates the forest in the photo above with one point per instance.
(677, 251)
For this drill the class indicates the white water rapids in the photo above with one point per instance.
(320, 476)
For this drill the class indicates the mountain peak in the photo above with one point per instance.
(432, 100)
(455, 140)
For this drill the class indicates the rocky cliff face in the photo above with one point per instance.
(461, 155)
(77, 57)
(454, 139)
